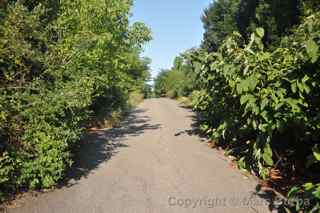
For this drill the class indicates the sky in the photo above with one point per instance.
(175, 26)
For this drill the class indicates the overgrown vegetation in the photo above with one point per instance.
(61, 63)
(177, 81)
(257, 86)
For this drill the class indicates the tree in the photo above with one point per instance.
(159, 83)
(222, 17)
(178, 81)
(219, 20)
(276, 17)
(61, 63)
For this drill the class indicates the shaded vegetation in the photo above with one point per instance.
(61, 63)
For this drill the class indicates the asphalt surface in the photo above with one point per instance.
(154, 163)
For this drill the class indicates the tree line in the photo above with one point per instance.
(255, 83)
(62, 63)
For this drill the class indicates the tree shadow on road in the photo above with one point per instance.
(269, 198)
(99, 146)
(275, 201)
(195, 125)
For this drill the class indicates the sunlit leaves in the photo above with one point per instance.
(260, 32)
(312, 50)
(261, 91)
(267, 155)
(316, 153)
(59, 65)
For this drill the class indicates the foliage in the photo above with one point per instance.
(177, 81)
(308, 191)
(159, 84)
(148, 91)
(218, 22)
(262, 104)
(135, 98)
(60, 63)
(223, 17)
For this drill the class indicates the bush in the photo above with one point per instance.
(178, 81)
(263, 105)
(196, 98)
(58, 69)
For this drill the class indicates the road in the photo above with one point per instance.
(154, 163)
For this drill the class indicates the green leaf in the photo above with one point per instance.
(260, 32)
(293, 192)
(308, 186)
(312, 50)
(300, 86)
(294, 87)
(252, 82)
(316, 193)
(242, 164)
(264, 114)
(316, 153)
(247, 98)
(306, 89)
(305, 79)
(267, 155)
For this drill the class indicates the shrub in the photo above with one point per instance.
(263, 105)
(58, 69)
(178, 81)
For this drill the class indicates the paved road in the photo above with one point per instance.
(152, 164)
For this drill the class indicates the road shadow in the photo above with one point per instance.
(195, 125)
(269, 198)
(99, 146)
(276, 201)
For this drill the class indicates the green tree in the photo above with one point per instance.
(219, 20)
(178, 81)
(276, 17)
(159, 84)
(61, 62)
(222, 17)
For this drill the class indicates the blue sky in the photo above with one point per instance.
(175, 25)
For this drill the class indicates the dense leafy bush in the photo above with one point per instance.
(60, 63)
(263, 104)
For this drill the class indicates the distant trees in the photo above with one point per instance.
(177, 81)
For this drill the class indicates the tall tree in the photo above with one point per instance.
(222, 17)
(285, 13)
(218, 22)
